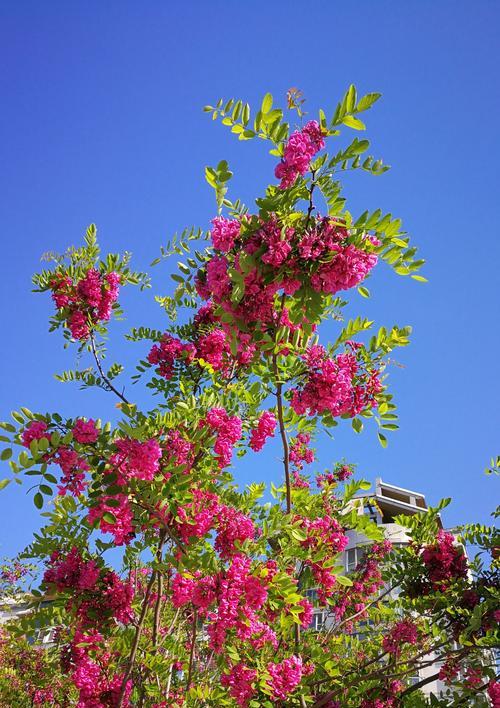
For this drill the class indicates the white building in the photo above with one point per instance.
(382, 506)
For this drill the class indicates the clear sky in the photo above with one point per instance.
(101, 121)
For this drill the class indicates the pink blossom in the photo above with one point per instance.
(224, 233)
(232, 527)
(228, 429)
(404, 632)
(85, 431)
(121, 528)
(265, 429)
(136, 459)
(445, 562)
(239, 682)
(299, 150)
(35, 430)
(168, 352)
(285, 677)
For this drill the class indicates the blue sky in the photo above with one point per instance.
(101, 121)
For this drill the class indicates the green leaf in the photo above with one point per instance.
(4, 483)
(6, 454)
(382, 439)
(38, 500)
(364, 292)
(353, 122)
(367, 101)
(343, 580)
(267, 103)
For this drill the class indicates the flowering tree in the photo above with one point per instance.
(210, 607)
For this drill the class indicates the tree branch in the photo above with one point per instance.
(101, 371)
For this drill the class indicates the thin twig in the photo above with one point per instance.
(103, 375)
(284, 439)
(191, 653)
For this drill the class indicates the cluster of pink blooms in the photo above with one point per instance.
(233, 526)
(444, 561)
(85, 431)
(300, 453)
(167, 352)
(13, 573)
(322, 258)
(179, 452)
(197, 518)
(240, 682)
(473, 676)
(135, 459)
(228, 431)
(299, 150)
(224, 233)
(403, 632)
(326, 533)
(86, 660)
(386, 697)
(286, 676)
(87, 301)
(366, 583)
(121, 527)
(341, 473)
(340, 386)
(494, 693)
(97, 596)
(237, 595)
(35, 430)
(205, 513)
(73, 465)
(265, 429)
(449, 670)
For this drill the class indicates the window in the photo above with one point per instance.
(312, 595)
(353, 556)
(318, 621)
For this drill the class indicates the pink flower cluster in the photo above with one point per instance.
(494, 693)
(240, 681)
(167, 352)
(205, 514)
(444, 561)
(385, 697)
(35, 430)
(228, 431)
(230, 601)
(97, 596)
(232, 527)
(324, 533)
(367, 581)
(299, 150)
(300, 453)
(265, 429)
(85, 432)
(341, 473)
(179, 452)
(403, 632)
(224, 233)
(71, 572)
(86, 301)
(73, 467)
(283, 258)
(115, 518)
(135, 459)
(340, 386)
(96, 688)
(285, 677)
